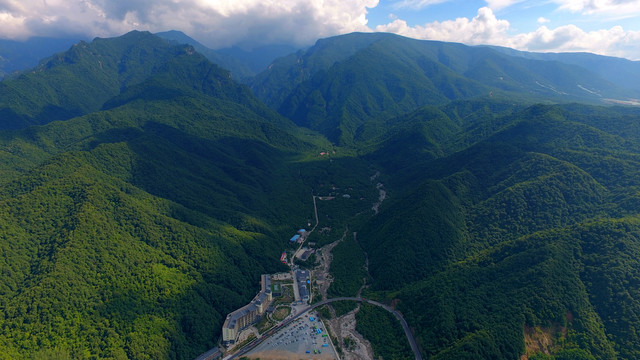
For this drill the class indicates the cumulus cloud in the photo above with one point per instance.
(12, 25)
(613, 42)
(542, 20)
(216, 23)
(486, 29)
(221, 23)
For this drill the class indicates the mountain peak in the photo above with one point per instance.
(83, 78)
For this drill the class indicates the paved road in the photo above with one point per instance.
(405, 326)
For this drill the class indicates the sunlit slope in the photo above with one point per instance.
(130, 232)
(97, 267)
(511, 234)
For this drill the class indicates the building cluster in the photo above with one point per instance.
(281, 276)
(304, 283)
(304, 253)
(299, 237)
(248, 314)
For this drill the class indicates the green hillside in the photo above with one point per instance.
(81, 79)
(132, 231)
(144, 191)
(501, 240)
(16, 56)
(623, 72)
(274, 85)
(342, 83)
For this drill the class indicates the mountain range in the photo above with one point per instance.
(145, 189)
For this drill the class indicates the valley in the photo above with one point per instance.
(289, 338)
(477, 192)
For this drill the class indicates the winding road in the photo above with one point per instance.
(403, 322)
(247, 348)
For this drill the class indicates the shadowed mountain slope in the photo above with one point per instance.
(343, 82)
(155, 190)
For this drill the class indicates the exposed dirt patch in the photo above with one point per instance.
(382, 196)
(321, 272)
(354, 346)
(543, 340)
(285, 355)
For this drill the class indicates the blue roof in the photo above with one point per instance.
(294, 238)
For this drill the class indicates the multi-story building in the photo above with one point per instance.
(304, 283)
(248, 314)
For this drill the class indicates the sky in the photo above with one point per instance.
(607, 27)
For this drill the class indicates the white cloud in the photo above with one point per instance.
(501, 4)
(609, 7)
(219, 23)
(216, 23)
(613, 42)
(486, 29)
(417, 4)
(543, 20)
(13, 27)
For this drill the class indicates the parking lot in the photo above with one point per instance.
(305, 338)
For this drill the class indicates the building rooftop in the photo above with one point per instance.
(266, 283)
(304, 292)
(302, 275)
(305, 255)
(261, 298)
(233, 317)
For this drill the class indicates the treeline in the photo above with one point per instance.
(98, 268)
(347, 268)
(130, 233)
(384, 332)
(520, 229)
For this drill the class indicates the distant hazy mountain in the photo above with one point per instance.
(274, 85)
(343, 82)
(83, 78)
(622, 72)
(243, 64)
(143, 191)
(22, 55)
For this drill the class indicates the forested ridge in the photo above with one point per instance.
(501, 239)
(144, 191)
(131, 232)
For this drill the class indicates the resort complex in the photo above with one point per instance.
(248, 314)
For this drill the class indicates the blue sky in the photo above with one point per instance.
(523, 16)
(608, 27)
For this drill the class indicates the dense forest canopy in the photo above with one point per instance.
(144, 191)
